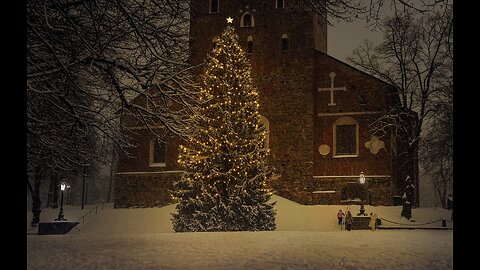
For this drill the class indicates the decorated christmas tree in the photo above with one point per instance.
(224, 185)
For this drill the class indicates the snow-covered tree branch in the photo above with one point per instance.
(87, 61)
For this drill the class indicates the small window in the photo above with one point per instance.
(214, 42)
(157, 153)
(250, 44)
(280, 4)
(284, 42)
(213, 6)
(362, 100)
(247, 20)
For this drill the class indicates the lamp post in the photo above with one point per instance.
(361, 180)
(63, 186)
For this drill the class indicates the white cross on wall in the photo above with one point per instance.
(332, 88)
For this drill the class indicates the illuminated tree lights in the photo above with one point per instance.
(224, 185)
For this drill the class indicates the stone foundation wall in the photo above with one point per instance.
(144, 189)
(303, 193)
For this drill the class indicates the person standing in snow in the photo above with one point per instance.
(450, 204)
(340, 216)
(348, 220)
(373, 222)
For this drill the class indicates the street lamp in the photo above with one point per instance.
(63, 186)
(361, 180)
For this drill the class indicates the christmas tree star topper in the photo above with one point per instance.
(229, 20)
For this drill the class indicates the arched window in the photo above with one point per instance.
(247, 20)
(214, 6)
(157, 153)
(345, 137)
(214, 42)
(284, 42)
(264, 121)
(280, 4)
(250, 44)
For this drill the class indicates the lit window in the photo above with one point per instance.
(250, 44)
(280, 4)
(213, 6)
(157, 153)
(284, 42)
(247, 20)
(345, 137)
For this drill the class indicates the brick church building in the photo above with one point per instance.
(317, 110)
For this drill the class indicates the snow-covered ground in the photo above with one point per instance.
(307, 237)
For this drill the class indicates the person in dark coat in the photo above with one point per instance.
(348, 221)
(340, 216)
(450, 202)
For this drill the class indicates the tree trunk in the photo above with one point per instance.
(415, 175)
(36, 202)
(413, 127)
(83, 188)
(112, 175)
(441, 197)
(54, 190)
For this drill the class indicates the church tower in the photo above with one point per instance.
(317, 109)
(280, 38)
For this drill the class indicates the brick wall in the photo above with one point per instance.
(144, 190)
(365, 99)
(381, 191)
(138, 159)
(287, 82)
(283, 78)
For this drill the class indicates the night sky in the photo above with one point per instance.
(344, 37)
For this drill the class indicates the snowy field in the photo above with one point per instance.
(307, 237)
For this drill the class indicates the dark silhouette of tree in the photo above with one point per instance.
(86, 62)
(416, 58)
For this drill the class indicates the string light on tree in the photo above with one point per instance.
(224, 185)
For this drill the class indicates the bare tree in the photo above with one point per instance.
(437, 155)
(414, 57)
(437, 145)
(372, 11)
(437, 150)
(86, 62)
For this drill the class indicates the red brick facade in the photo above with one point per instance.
(300, 119)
